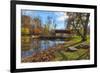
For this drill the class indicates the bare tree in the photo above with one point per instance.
(79, 23)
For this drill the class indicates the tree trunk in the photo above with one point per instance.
(85, 28)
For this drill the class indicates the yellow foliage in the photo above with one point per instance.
(25, 30)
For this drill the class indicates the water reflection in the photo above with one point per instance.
(30, 46)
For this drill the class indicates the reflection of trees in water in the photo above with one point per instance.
(36, 45)
(46, 43)
(26, 46)
(31, 46)
(40, 45)
(25, 42)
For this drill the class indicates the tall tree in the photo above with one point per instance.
(37, 25)
(47, 25)
(79, 23)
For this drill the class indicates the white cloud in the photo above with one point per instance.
(59, 13)
(61, 16)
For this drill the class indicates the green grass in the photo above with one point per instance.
(81, 53)
(76, 38)
(88, 39)
(75, 55)
(63, 55)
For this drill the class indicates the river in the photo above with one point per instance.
(31, 46)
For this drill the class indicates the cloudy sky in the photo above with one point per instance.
(58, 17)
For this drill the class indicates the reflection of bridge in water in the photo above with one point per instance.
(52, 37)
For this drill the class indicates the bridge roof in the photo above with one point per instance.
(62, 31)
